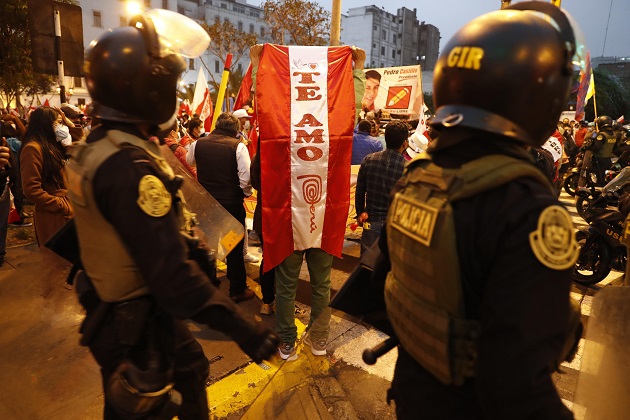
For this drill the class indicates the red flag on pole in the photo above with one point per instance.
(245, 91)
(202, 103)
(46, 103)
(305, 103)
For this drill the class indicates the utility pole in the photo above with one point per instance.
(335, 24)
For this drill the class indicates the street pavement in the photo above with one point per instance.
(47, 375)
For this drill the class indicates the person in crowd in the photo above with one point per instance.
(580, 133)
(194, 131)
(13, 131)
(42, 163)
(372, 84)
(142, 276)
(223, 162)
(74, 115)
(178, 150)
(363, 143)
(5, 196)
(318, 261)
(377, 176)
(603, 145)
(477, 250)
(243, 121)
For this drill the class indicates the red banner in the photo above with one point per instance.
(305, 105)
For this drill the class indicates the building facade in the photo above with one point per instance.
(391, 40)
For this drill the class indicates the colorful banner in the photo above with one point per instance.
(305, 106)
(396, 90)
(586, 89)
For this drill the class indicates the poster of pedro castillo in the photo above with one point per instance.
(393, 90)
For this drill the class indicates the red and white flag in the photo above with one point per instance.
(202, 103)
(306, 105)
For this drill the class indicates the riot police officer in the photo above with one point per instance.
(139, 283)
(479, 248)
(603, 146)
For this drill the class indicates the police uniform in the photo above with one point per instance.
(478, 291)
(604, 145)
(128, 223)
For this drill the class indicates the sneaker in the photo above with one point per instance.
(247, 294)
(249, 258)
(268, 308)
(287, 352)
(253, 238)
(318, 347)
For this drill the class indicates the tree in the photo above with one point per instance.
(305, 22)
(226, 39)
(611, 96)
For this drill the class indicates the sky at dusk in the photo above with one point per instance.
(449, 15)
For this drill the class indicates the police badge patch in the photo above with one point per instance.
(153, 198)
(553, 242)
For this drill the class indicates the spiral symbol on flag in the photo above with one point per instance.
(312, 193)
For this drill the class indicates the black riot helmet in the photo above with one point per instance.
(132, 72)
(508, 72)
(604, 122)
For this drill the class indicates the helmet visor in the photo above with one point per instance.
(178, 34)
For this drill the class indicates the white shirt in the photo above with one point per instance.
(243, 163)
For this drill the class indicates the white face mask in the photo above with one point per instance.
(62, 134)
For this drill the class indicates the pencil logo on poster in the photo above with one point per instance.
(398, 97)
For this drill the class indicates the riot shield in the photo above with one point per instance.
(604, 382)
(222, 231)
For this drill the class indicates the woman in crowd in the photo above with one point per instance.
(42, 161)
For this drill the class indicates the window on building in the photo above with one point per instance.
(147, 3)
(393, 53)
(78, 82)
(164, 4)
(384, 34)
(180, 10)
(373, 45)
(394, 38)
(238, 8)
(223, 6)
(262, 31)
(240, 26)
(382, 50)
(216, 66)
(217, 20)
(382, 64)
(191, 64)
(375, 28)
(123, 21)
(81, 101)
(254, 13)
(251, 28)
(96, 19)
(239, 67)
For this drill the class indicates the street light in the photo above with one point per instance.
(133, 8)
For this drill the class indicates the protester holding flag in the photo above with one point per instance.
(306, 178)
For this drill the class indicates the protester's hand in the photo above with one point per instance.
(358, 55)
(259, 344)
(66, 120)
(4, 154)
(255, 53)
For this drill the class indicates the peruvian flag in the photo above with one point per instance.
(184, 106)
(305, 104)
(202, 104)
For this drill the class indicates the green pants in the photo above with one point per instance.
(319, 265)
